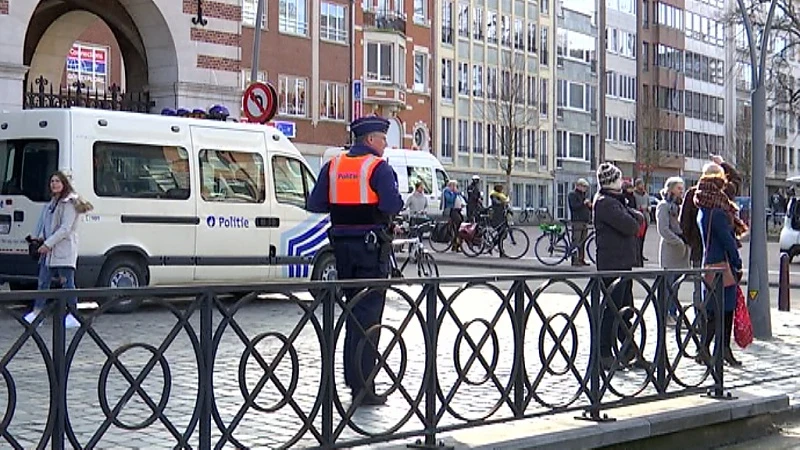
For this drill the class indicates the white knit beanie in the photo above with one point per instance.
(609, 177)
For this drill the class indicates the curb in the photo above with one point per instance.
(477, 262)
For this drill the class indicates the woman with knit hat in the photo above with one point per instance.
(616, 227)
(720, 229)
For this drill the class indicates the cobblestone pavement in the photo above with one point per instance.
(271, 422)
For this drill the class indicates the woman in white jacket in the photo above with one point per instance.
(56, 234)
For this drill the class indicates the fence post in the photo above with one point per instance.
(519, 345)
(596, 315)
(719, 334)
(328, 365)
(60, 374)
(784, 303)
(206, 368)
(431, 379)
(664, 301)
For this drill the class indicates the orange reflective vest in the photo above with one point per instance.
(349, 180)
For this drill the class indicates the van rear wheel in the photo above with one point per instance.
(324, 270)
(123, 273)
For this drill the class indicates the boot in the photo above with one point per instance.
(730, 360)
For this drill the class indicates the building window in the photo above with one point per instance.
(421, 11)
(572, 145)
(447, 79)
(333, 22)
(573, 95)
(291, 96)
(669, 16)
(463, 20)
(530, 149)
(447, 22)
(532, 37)
(575, 46)
(531, 97)
(543, 148)
(621, 42)
(463, 78)
(477, 137)
(491, 28)
(447, 137)
(477, 24)
(420, 71)
(89, 65)
(544, 7)
(249, 14)
(519, 35)
(543, 46)
(333, 101)
(477, 80)
(505, 36)
(379, 62)
(543, 96)
(491, 138)
(245, 77)
(463, 136)
(491, 82)
(293, 17)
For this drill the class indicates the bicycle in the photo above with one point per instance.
(555, 244)
(527, 213)
(417, 253)
(481, 237)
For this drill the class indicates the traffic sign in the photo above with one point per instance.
(260, 102)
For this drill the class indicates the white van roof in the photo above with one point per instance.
(793, 180)
(388, 153)
(19, 123)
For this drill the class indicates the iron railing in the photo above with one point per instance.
(455, 352)
(40, 93)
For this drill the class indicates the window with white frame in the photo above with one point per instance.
(421, 11)
(575, 46)
(530, 148)
(620, 130)
(621, 42)
(620, 86)
(380, 62)
(291, 96)
(491, 82)
(573, 95)
(477, 80)
(245, 77)
(447, 22)
(491, 138)
(532, 37)
(477, 24)
(463, 78)
(491, 27)
(531, 91)
(333, 22)
(463, 136)
(477, 137)
(572, 145)
(447, 79)
(505, 31)
(249, 14)
(420, 71)
(543, 148)
(447, 137)
(293, 17)
(333, 101)
(463, 19)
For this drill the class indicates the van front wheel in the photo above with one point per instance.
(324, 270)
(123, 273)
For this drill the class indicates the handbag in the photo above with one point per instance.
(742, 326)
(728, 279)
(33, 248)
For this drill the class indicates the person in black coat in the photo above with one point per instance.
(616, 228)
(580, 212)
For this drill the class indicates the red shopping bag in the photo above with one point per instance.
(642, 229)
(742, 326)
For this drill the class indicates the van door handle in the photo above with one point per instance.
(268, 222)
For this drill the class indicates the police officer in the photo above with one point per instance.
(359, 190)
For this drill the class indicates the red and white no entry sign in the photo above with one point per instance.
(260, 102)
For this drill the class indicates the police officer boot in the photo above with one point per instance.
(367, 397)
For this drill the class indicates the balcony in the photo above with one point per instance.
(385, 20)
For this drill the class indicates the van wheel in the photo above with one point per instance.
(123, 272)
(324, 270)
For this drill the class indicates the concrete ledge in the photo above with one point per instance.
(634, 423)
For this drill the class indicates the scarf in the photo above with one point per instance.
(710, 193)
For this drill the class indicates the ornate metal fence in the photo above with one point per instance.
(199, 370)
(40, 93)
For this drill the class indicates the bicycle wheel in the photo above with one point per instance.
(591, 248)
(474, 247)
(440, 247)
(550, 249)
(426, 266)
(515, 243)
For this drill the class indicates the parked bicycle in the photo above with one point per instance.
(482, 237)
(555, 244)
(527, 214)
(417, 253)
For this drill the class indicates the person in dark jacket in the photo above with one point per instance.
(717, 220)
(580, 211)
(474, 199)
(688, 215)
(616, 226)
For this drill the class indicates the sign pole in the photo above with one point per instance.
(257, 41)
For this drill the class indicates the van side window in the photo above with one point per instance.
(293, 182)
(441, 180)
(141, 171)
(26, 167)
(423, 174)
(231, 177)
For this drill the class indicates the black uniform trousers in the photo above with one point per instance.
(354, 260)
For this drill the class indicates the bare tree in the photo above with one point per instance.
(648, 155)
(513, 110)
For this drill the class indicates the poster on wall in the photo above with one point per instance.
(89, 64)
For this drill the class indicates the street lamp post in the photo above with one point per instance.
(757, 276)
(257, 41)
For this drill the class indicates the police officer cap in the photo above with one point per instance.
(366, 125)
(167, 112)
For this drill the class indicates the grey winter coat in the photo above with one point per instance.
(63, 243)
(673, 253)
(616, 227)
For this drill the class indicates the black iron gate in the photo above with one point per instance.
(40, 93)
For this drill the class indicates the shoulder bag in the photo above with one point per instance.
(727, 274)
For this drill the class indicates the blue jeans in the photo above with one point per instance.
(46, 274)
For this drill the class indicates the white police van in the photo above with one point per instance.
(176, 200)
(411, 166)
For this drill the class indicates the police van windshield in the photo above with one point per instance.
(26, 165)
